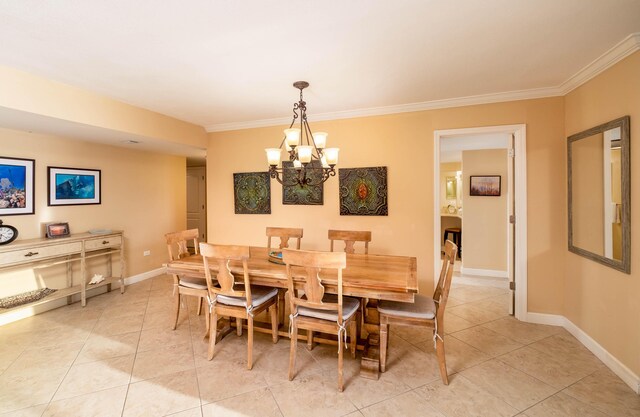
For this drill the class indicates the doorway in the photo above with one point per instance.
(197, 197)
(515, 217)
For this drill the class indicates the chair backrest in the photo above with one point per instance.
(177, 243)
(312, 262)
(284, 234)
(350, 237)
(441, 293)
(219, 257)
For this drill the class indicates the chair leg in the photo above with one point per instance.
(238, 326)
(281, 293)
(213, 332)
(250, 342)
(340, 365)
(200, 305)
(441, 360)
(274, 322)
(354, 338)
(177, 309)
(292, 352)
(309, 339)
(384, 338)
(207, 318)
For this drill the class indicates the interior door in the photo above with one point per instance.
(197, 200)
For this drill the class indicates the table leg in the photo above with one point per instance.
(370, 364)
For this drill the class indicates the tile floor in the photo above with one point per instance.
(119, 357)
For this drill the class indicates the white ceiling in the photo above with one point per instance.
(451, 147)
(224, 64)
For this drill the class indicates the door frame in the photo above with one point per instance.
(519, 132)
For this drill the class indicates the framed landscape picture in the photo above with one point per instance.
(485, 185)
(16, 186)
(73, 186)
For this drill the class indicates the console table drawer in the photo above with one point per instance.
(103, 242)
(38, 253)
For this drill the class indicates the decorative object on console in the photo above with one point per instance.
(484, 185)
(294, 193)
(25, 298)
(97, 278)
(16, 186)
(303, 147)
(252, 193)
(7, 233)
(55, 230)
(363, 191)
(73, 186)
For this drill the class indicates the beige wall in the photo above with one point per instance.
(484, 232)
(602, 301)
(403, 143)
(143, 194)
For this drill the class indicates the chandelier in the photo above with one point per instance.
(311, 162)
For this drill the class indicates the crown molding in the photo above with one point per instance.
(620, 51)
(623, 49)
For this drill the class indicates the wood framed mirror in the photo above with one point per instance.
(599, 191)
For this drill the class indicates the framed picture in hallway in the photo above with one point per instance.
(16, 186)
(485, 185)
(73, 186)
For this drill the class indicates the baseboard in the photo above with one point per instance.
(484, 272)
(482, 281)
(548, 319)
(28, 311)
(617, 367)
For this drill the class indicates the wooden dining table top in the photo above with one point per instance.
(383, 277)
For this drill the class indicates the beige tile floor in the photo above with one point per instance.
(119, 357)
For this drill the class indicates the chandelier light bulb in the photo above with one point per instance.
(332, 155)
(273, 156)
(320, 139)
(292, 137)
(304, 153)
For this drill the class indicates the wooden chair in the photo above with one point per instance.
(177, 246)
(316, 311)
(235, 299)
(284, 234)
(425, 311)
(350, 238)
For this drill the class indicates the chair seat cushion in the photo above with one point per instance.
(192, 282)
(259, 296)
(349, 307)
(423, 308)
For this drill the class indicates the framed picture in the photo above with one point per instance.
(485, 185)
(363, 191)
(73, 186)
(16, 186)
(252, 193)
(58, 230)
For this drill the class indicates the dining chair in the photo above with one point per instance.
(177, 243)
(231, 298)
(424, 311)
(350, 237)
(284, 234)
(315, 310)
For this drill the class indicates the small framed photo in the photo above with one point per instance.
(16, 186)
(73, 186)
(55, 230)
(485, 185)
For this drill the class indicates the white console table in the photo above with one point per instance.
(43, 252)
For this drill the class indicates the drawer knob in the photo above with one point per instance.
(104, 242)
(31, 253)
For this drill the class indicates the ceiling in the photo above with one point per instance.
(230, 64)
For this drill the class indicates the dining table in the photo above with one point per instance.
(374, 277)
